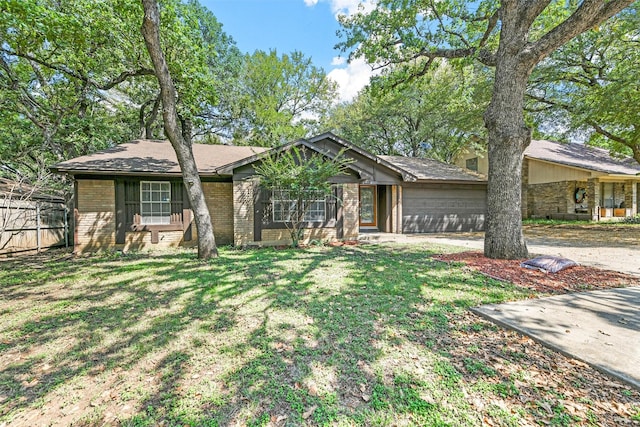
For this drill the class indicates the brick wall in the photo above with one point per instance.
(350, 214)
(271, 237)
(95, 222)
(243, 197)
(219, 197)
(142, 240)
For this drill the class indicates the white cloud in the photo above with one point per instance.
(345, 7)
(351, 79)
(349, 7)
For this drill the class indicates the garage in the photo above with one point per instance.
(438, 208)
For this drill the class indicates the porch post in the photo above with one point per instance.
(399, 209)
(593, 198)
(396, 209)
(631, 189)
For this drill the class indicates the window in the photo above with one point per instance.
(155, 202)
(612, 195)
(472, 164)
(285, 207)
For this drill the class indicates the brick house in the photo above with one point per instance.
(571, 181)
(132, 196)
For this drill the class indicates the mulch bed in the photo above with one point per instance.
(573, 279)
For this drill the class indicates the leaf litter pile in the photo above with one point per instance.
(573, 279)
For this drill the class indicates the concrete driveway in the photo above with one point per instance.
(601, 328)
(607, 247)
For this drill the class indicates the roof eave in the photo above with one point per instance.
(406, 175)
(74, 172)
(450, 181)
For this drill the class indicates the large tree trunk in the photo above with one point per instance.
(181, 145)
(508, 137)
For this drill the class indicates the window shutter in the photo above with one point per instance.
(176, 202)
(267, 207)
(121, 219)
(331, 204)
(339, 212)
(262, 211)
(132, 203)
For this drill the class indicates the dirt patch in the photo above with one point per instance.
(574, 279)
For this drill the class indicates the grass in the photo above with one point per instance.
(626, 222)
(365, 335)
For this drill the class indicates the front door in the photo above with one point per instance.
(368, 206)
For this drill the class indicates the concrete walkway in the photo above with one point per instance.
(601, 328)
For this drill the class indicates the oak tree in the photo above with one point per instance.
(512, 36)
(435, 116)
(178, 130)
(589, 88)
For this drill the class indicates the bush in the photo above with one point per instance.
(632, 219)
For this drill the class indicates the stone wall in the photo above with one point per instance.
(526, 205)
(544, 200)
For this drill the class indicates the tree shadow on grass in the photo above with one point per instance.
(287, 337)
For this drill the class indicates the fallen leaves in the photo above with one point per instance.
(512, 371)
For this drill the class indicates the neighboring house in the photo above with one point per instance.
(29, 219)
(132, 196)
(572, 181)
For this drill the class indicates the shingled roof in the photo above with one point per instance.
(581, 156)
(154, 157)
(433, 170)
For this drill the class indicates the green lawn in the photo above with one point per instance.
(364, 335)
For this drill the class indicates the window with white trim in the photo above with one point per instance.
(285, 207)
(155, 202)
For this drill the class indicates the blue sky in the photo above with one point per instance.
(308, 26)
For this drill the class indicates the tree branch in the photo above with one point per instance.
(602, 131)
(589, 14)
(65, 70)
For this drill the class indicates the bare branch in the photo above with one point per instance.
(491, 25)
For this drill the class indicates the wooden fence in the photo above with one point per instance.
(29, 225)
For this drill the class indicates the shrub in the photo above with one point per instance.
(632, 219)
